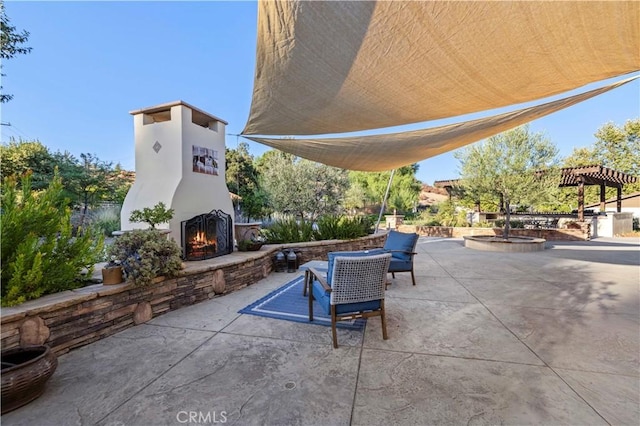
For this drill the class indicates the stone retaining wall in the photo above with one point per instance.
(580, 234)
(75, 318)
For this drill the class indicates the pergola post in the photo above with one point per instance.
(603, 196)
(580, 199)
(619, 199)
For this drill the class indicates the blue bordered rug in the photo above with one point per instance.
(288, 303)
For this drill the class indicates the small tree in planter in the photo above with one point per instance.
(146, 254)
(153, 216)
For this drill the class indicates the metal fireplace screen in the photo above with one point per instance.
(207, 235)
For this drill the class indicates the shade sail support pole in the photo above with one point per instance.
(384, 201)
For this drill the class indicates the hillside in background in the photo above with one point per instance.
(431, 195)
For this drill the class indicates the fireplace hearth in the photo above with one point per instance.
(207, 235)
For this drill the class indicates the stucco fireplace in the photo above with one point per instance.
(179, 157)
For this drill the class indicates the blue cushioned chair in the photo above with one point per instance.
(356, 291)
(402, 247)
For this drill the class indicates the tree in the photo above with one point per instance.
(517, 165)
(619, 148)
(403, 193)
(18, 158)
(86, 181)
(11, 44)
(616, 147)
(243, 179)
(301, 187)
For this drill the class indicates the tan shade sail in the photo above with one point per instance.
(332, 67)
(389, 151)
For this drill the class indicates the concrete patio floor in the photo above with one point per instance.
(483, 338)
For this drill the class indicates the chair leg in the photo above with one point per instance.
(393, 275)
(334, 333)
(383, 318)
(310, 290)
(413, 278)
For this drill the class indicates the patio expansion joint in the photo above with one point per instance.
(355, 388)
(156, 379)
(456, 357)
(527, 346)
(182, 328)
(432, 300)
(284, 339)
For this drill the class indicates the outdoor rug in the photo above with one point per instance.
(288, 303)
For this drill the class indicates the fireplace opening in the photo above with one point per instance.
(207, 235)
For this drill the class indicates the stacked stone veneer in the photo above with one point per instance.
(75, 318)
(581, 233)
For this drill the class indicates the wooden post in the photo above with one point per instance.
(619, 199)
(580, 199)
(603, 194)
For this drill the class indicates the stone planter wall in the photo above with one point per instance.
(75, 318)
(580, 234)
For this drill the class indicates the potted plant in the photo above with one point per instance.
(112, 273)
(153, 216)
(145, 254)
(254, 243)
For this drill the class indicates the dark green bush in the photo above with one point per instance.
(40, 255)
(515, 224)
(146, 254)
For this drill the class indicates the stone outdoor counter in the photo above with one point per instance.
(78, 317)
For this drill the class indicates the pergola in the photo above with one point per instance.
(578, 176)
(595, 175)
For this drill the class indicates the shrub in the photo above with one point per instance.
(512, 223)
(40, 255)
(484, 224)
(332, 227)
(448, 215)
(289, 231)
(146, 254)
(107, 221)
(327, 227)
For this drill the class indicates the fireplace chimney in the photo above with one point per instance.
(180, 160)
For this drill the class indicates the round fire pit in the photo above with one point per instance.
(510, 245)
(24, 374)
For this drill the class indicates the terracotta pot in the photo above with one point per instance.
(112, 275)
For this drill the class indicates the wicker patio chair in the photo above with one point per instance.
(357, 290)
(402, 247)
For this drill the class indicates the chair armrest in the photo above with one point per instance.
(321, 279)
(401, 251)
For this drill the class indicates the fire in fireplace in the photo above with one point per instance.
(207, 235)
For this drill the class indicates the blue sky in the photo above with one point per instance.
(93, 62)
